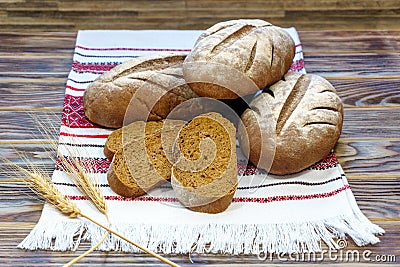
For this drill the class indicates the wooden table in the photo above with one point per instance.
(364, 66)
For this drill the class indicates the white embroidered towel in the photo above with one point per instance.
(270, 215)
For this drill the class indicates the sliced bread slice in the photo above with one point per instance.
(134, 131)
(141, 162)
(204, 177)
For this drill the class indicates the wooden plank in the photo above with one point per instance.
(34, 77)
(36, 64)
(368, 92)
(371, 123)
(386, 206)
(308, 23)
(43, 42)
(340, 66)
(21, 125)
(5, 2)
(393, 12)
(221, 14)
(339, 42)
(243, 6)
(178, 22)
(32, 5)
(335, 5)
(20, 95)
(39, 154)
(354, 65)
(35, 23)
(261, 10)
(146, 24)
(331, 23)
(78, 15)
(118, 6)
(359, 158)
(377, 158)
(301, 24)
(8, 174)
(28, 208)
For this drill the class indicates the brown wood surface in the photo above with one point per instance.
(364, 66)
(71, 15)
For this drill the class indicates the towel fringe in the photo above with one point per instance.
(55, 235)
(209, 238)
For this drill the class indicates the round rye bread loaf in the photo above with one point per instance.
(162, 87)
(255, 48)
(308, 115)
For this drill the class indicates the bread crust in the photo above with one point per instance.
(117, 184)
(113, 144)
(307, 117)
(214, 204)
(106, 99)
(261, 51)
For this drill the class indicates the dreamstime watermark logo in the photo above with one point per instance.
(338, 254)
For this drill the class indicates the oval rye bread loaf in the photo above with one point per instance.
(256, 48)
(106, 99)
(308, 115)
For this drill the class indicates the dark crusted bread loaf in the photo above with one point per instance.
(255, 48)
(307, 116)
(204, 176)
(106, 99)
(143, 161)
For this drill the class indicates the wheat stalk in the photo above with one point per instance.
(83, 181)
(44, 187)
(78, 175)
(87, 186)
(74, 169)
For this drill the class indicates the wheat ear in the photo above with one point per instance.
(76, 171)
(77, 174)
(86, 185)
(44, 187)
(73, 168)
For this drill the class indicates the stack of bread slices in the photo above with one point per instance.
(163, 133)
